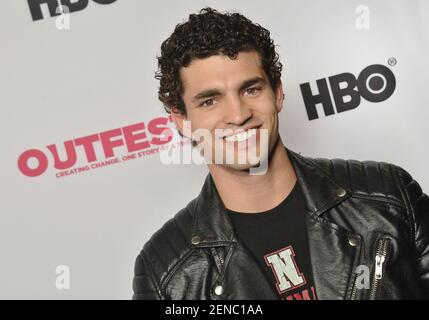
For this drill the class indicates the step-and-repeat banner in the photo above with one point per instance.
(82, 183)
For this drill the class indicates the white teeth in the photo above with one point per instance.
(241, 136)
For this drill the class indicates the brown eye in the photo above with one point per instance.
(207, 103)
(252, 91)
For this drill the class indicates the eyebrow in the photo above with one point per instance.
(208, 93)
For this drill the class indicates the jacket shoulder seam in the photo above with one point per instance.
(406, 199)
(389, 196)
(384, 199)
(175, 254)
(142, 255)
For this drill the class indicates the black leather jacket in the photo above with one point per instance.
(357, 212)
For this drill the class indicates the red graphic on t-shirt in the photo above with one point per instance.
(303, 295)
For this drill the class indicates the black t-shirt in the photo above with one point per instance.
(277, 238)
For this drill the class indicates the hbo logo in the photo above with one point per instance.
(72, 6)
(375, 83)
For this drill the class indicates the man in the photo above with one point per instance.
(304, 228)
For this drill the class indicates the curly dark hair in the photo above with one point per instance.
(206, 34)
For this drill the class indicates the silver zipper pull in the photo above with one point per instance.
(379, 260)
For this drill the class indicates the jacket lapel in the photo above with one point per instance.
(333, 259)
(241, 276)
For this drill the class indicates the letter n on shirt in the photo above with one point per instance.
(285, 270)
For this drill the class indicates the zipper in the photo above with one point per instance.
(380, 258)
(221, 260)
(219, 256)
(354, 289)
(353, 296)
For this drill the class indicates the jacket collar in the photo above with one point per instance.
(321, 191)
(212, 225)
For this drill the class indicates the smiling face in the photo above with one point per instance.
(222, 93)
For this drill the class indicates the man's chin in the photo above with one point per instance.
(241, 167)
(248, 163)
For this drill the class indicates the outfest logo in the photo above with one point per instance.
(139, 140)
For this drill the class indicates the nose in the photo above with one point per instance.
(237, 112)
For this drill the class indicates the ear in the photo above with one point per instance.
(279, 96)
(178, 118)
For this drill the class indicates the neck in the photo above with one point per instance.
(247, 193)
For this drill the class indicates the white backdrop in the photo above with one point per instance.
(58, 85)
